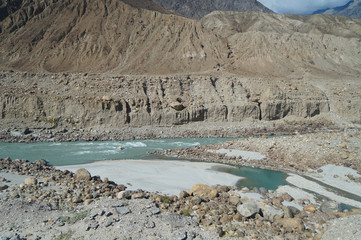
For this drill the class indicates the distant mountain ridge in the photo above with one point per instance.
(351, 9)
(198, 9)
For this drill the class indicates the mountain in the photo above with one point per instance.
(351, 9)
(111, 36)
(200, 8)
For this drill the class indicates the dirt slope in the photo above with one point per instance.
(103, 35)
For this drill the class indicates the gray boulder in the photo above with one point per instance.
(248, 209)
(330, 206)
(271, 212)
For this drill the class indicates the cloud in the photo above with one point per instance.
(301, 6)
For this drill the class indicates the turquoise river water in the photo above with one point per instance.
(70, 153)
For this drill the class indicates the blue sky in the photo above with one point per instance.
(301, 6)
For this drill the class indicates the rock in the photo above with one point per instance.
(203, 191)
(31, 181)
(310, 208)
(123, 210)
(183, 194)
(287, 197)
(93, 225)
(248, 209)
(76, 200)
(109, 222)
(154, 210)
(15, 237)
(180, 235)
(27, 131)
(41, 162)
(3, 187)
(263, 191)
(177, 106)
(234, 200)
(196, 200)
(82, 175)
(293, 223)
(330, 206)
(124, 194)
(106, 98)
(270, 213)
(150, 224)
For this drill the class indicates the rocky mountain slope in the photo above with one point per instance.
(351, 9)
(198, 9)
(255, 65)
(109, 35)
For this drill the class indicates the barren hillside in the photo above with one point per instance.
(109, 35)
(104, 35)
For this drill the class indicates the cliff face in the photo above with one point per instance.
(117, 101)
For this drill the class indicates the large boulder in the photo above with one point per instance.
(82, 174)
(270, 213)
(30, 181)
(330, 206)
(203, 191)
(248, 209)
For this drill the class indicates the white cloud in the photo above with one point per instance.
(301, 6)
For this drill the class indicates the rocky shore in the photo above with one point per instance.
(297, 153)
(54, 204)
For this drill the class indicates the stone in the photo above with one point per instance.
(124, 194)
(150, 224)
(196, 200)
(93, 225)
(27, 131)
(183, 194)
(123, 210)
(177, 106)
(287, 197)
(180, 235)
(31, 181)
(15, 237)
(82, 175)
(310, 208)
(3, 187)
(330, 206)
(203, 191)
(109, 222)
(248, 209)
(270, 213)
(41, 162)
(76, 200)
(154, 210)
(293, 223)
(263, 191)
(234, 200)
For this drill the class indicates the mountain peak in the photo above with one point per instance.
(198, 9)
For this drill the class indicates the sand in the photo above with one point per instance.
(315, 187)
(167, 177)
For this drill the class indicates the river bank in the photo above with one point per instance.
(247, 128)
(55, 204)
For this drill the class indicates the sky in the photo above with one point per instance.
(301, 6)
